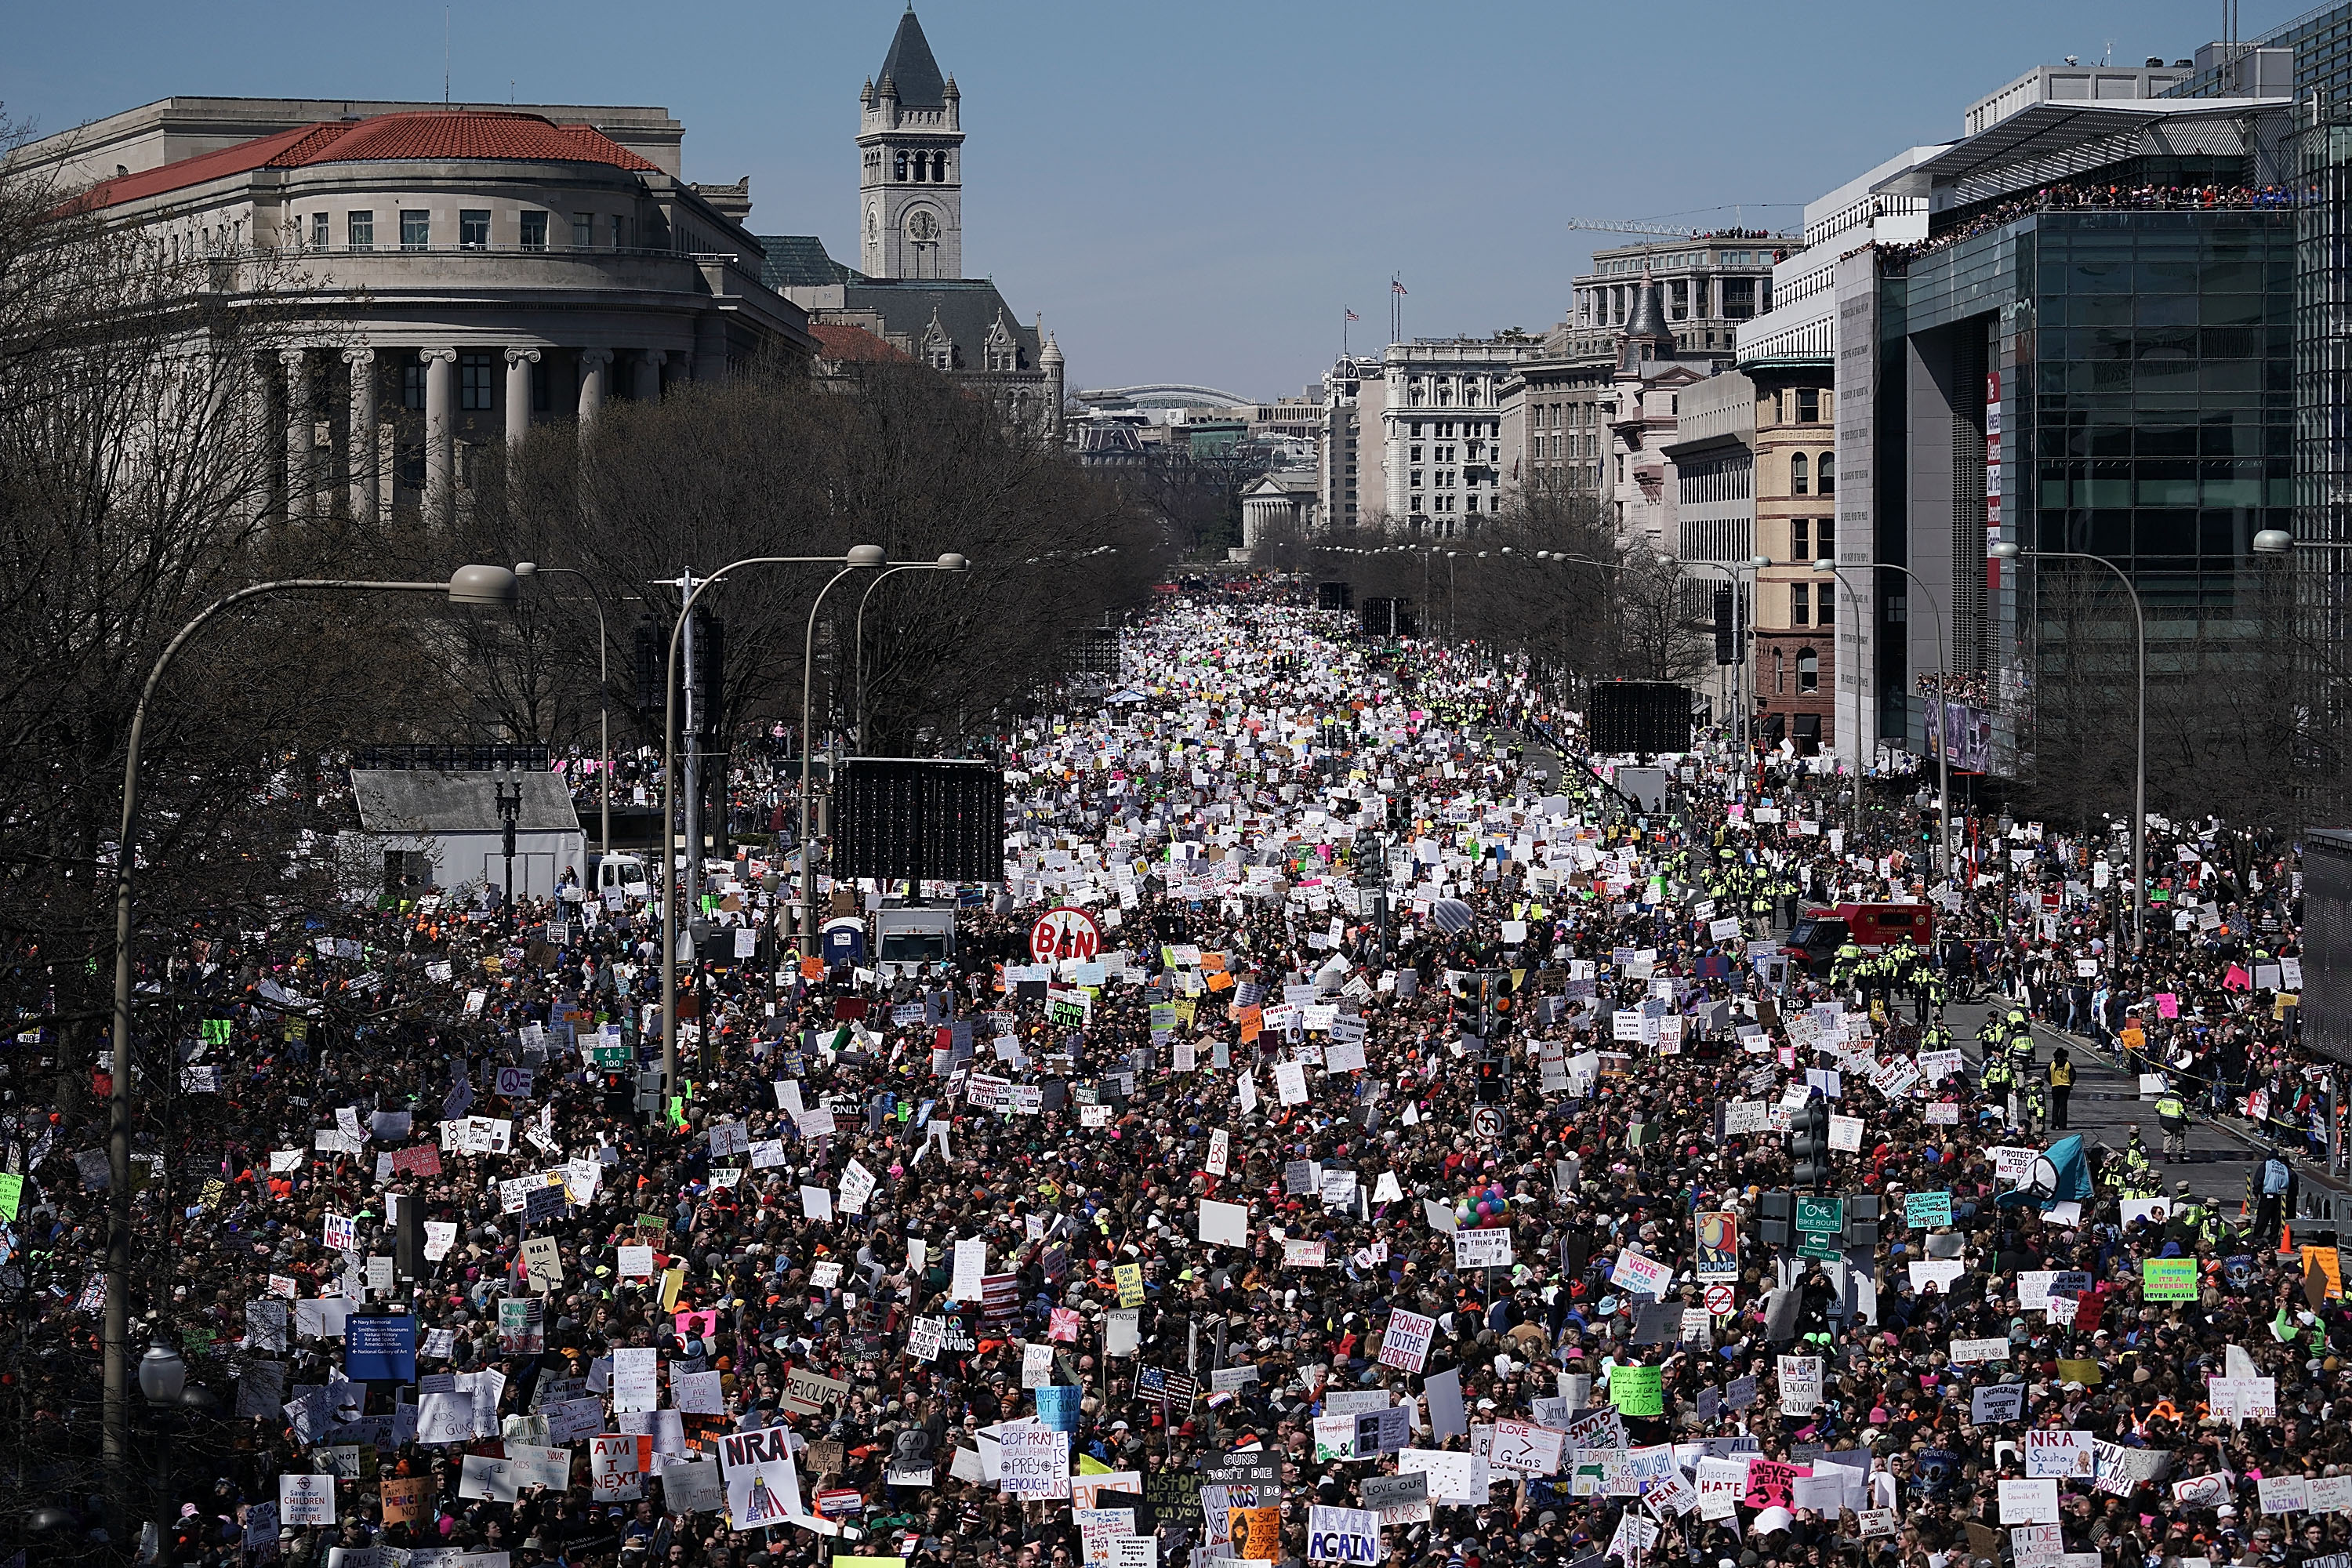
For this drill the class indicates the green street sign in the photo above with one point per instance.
(1820, 1247)
(1818, 1214)
(611, 1057)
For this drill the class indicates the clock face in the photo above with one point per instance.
(923, 226)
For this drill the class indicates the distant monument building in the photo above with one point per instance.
(908, 289)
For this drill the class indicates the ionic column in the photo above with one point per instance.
(650, 369)
(359, 446)
(440, 434)
(595, 367)
(295, 366)
(519, 363)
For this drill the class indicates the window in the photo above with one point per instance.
(415, 231)
(620, 231)
(1414, 503)
(1799, 541)
(1809, 405)
(320, 225)
(412, 386)
(1825, 473)
(359, 230)
(473, 230)
(476, 385)
(1825, 531)
(534, 231)
(1824, 604)
(1799, 475)
(583, 230)
(899, 167)
(543, 396)
(1808, 671)
(1800, 604)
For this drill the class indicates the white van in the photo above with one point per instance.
(624, 874)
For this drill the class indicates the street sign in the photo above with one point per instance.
(1720, 1300)
(1818, 1246)
(1065, 934)
(1818, 1216)
(1486, 1123)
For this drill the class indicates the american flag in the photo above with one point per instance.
(1396, 286)
(1353, 317)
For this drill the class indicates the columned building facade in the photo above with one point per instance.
(462, 275)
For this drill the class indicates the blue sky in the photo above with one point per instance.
(1192, 193)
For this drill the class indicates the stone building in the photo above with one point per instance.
(908, 289)
(469, 270)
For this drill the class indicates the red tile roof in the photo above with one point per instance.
(840, 341)
(460, 134)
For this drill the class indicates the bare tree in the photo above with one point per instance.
(774, 465)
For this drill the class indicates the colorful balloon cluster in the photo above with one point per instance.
(1483, 1207)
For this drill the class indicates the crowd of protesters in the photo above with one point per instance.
(1382, 982)
(2074, 198)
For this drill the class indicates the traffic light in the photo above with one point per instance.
(1780, 1212)
(648, 662)
(1809, 1144)
(1493, 1076)
(709, 674)
(1726, 631)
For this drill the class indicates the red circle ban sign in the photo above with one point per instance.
(1065, 934)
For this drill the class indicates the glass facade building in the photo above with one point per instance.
(2117, 383)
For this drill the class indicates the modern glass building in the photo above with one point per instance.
(2092, 352)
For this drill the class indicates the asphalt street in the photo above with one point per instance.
(2106, 1104)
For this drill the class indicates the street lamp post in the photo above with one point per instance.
(510, 814)
(863, 555)
(604, 700)
(1943, 681)
(2007, 550)
(473, 584)
(948, 562)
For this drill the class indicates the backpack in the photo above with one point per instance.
(2275, 1176)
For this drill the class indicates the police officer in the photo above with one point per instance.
(2062, 1084)
(2172, 1115)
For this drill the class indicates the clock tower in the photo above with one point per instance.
(910, 165)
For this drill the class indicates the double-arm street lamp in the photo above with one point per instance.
(674, 887)
(2007, 550)
(1829, 567)
(494, 586)
(859, 558)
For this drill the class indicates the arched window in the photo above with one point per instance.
(1799, 484)
(939, 167)
(899, 167)
(1825, 470)
(1808, 671)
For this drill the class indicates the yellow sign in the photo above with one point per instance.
(1130, 1277)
